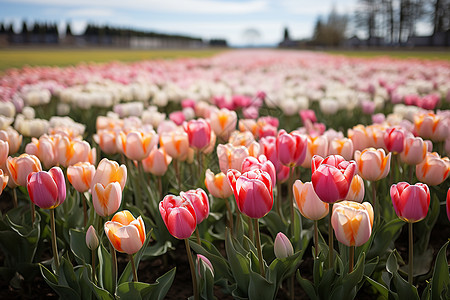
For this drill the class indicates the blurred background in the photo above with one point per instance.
(139, 24)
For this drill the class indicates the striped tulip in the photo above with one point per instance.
(223, 122)
(252, 163)
(352, 222)
(331, 177)
(309, 205)
(434, 169)
(253, 192)
(4, 151)
(199, 201)
(47, 189)
(3, 180)
(356, 190)
(13, 138)
(373, 164)
(410, 202)
(69, 152)
(176, 144)
(45, 149)
(126, 234)
(315, 146)
(179, 216)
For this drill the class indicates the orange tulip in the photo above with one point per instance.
(109, 171)
(218, 184)
(71, 152)
(106, 139)
(80, 175)
(13, 138)
(434, 169)
(176, 144)
(3, 180)
(223, 122)
(373, 164)
(19, 167)
(106, 199)
(352, 222)
(126, 234)
(308, 203)
(4, 150)
(157, 162)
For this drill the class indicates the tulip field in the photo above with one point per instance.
(251, 174)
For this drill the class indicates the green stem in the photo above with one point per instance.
(54, 245)
(83, 199)
(93, 265)
(177, 173)
(33, 212)
(114, 265)
(330, 237)
(197, 234)
(374, 201)
(316, 239)
(410, 255)
(133, 267)
(200, 165)
(411, 173)
(291, 198)
(160, 187)
(351, 258)
(137, 188)
(230, 215)
(291, 287)
(238, 220)
(278, 207)
(250, 229)
(15, 197)
(258, 244)
(191, 265)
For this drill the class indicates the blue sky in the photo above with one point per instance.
(227, 19)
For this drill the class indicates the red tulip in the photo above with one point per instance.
(199, 201)
(47, 189)
(291, 148)
(410, 202)
(331, 177)
(253, 192)
(179, 216)
(394, 139)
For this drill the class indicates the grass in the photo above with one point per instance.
(17, 58)
(419, 54)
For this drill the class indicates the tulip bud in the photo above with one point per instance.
(206, 265)
(282, 246)
(91, 238)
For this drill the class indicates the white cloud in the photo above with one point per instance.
(90, 12)
(181, 6)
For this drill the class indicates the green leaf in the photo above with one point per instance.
(105, 277)
(127, 273)
(260, 288)
(99, 292)
(440, 282)
(384, 292)
(239, 264)
(403, 288)
(67, 275)
(65, 292)
(307, 287)
(78, 246)
(274, 224)
(384, 236)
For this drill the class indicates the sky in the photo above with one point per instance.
(207, 19)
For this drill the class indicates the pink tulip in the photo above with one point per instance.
(176, 144)
(177, 117)
(231, 157)
(199, 201)
(106, 139)
(269, 149)
(308, 203)
(253, 192)
(410, 202)
(45, 149)
(179, 216)
(206, 264)
(331, 177)
(282, 247)
(47, 189)
(308, 114)
(4, 151)
(359, 137)
(431, 126)
(291, 148)
(3, 180)
(352, 222)
(448, 204)
(394, 140)
(199, 133)
(251, 163)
